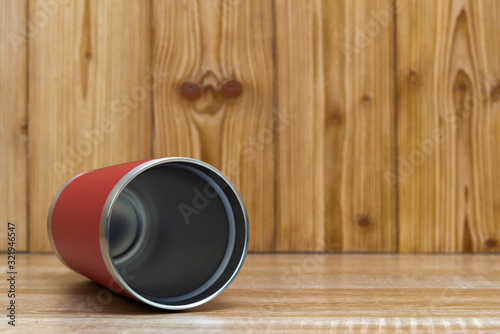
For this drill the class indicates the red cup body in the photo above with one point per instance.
(80, 227)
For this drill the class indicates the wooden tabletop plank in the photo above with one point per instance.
(280, 292)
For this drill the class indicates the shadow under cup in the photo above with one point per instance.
(176, 234)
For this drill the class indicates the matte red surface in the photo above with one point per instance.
(76, 219)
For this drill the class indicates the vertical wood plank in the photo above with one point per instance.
(449, 126)
(202, 45)
(90, 88)
(335, 82)
(13, 122)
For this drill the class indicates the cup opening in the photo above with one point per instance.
(177, 233)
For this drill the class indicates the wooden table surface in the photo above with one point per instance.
(278, 293)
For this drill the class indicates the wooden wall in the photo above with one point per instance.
(347, 125)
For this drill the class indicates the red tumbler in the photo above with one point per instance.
(170, 232)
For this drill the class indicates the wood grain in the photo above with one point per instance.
(310, 139)
(335, 136)
(90, 87)
(13, 122)
(206, 44)
(448, 126)
(279, 293)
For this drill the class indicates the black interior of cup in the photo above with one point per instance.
(177, 233)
